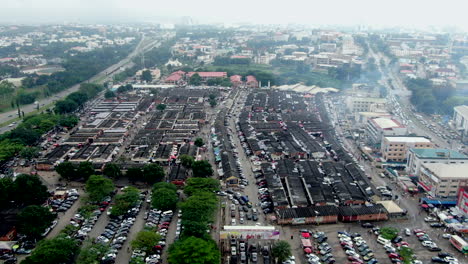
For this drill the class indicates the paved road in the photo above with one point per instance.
(400, 96)
(142, 46)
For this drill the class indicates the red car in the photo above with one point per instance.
(394, 256)
(355, 259)
(415, 231)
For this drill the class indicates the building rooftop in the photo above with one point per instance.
(387, 123)
(443, 170)
(408, 139)
(462, 110)
(432, 153)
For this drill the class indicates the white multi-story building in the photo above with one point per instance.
(443, 180)
(417, 157)
(381, 126)
(364, 104)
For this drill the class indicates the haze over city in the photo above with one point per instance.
(233, 132)
(416, 13)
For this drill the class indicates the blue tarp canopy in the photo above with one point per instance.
(438, 202)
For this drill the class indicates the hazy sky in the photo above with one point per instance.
(373, 12)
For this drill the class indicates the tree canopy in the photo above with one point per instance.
(146, 76)
(29, 190)
(112, 170)
(202, 168)
(195, 185)
(195, 79)
(33, 220)
(186, 160)
(388, 232)
(66, 170)
(98, 187)
(199, 142)
(58, 250)
(281, 250)
(126, 200)
(153, 173)
(194, 250)
(164, 199)
(145, 240)
(92, 253)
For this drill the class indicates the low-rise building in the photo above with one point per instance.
(364, 104)
(395, 148)
(443, 180)
(381, 126)
(417, 157)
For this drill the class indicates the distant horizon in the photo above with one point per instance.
(414, 14)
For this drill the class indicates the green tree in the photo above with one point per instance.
(134, 174)
(69, 230)
(212, 102)
(153, 173)
(186, 160)
(194, 250)
(195, 79)
(109, 94)
(66, 170)
(92, 253)
(98, 187)
(68, 121)
(6, 192)
(164, 199)
(164, 185)
(9, 149)
(194, 185)
(58, 250)
(28, 82)
(6, 89)
(78, 97)
(407, 254)
(29, 153)
(161, 107)
(212, 96)
(85, 169)
(281, 250)
(199, 207)
(194, 228)
(145, 240)
(199, 142)
(29, 190)
(124, 201)
(202, 168)
(65, 106)
(388, 232)
(146, 76)
(112, 170)
(33, 220)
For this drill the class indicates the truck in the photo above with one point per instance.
(459, 243)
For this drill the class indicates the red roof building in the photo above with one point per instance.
(208, 75)
(236, 80)
(251, 82)
(175, 77)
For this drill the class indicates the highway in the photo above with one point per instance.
(399, 97)
(144, 45)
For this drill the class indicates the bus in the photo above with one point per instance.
(459, 243)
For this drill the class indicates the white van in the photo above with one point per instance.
(382, 240)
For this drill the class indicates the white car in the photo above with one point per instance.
(428, 244)
(407, 232)
(446, 236)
